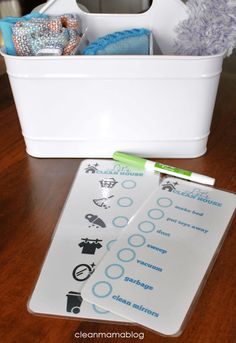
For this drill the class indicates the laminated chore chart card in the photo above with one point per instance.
(156, 268)
(104, 196)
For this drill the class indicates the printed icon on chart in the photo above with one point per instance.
(198, 193)
(74, 302)
(169, 186)
(83, 271)
(89, 246)
(95, 220)
(92, 168)
(108, 183)
(103, 202)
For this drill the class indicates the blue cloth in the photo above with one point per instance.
(6, 28)
(128, 42)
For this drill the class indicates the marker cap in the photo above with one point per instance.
(202, 179)
(134, 161)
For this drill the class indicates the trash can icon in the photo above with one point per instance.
(74, 301)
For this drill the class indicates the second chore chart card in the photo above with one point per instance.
(157, 266)
(104, 196)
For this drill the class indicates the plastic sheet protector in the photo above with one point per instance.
(104, 196)
(156, 268)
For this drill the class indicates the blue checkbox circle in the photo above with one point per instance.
(128, 184)
(136, 240)
(100, 310)
(114, 271)
(155, 213)
(125, 202)
(120, 222)
(146, 226)
(110, 243)
(126, 255)
(164, 202)
(102, 289)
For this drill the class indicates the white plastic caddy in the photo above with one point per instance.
(91, 106)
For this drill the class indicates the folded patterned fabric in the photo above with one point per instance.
(128, 42)
(54, 35)
(39, 34)
(6, 25)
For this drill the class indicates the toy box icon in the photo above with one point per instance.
(108, 183)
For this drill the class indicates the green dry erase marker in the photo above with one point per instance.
(162, 168)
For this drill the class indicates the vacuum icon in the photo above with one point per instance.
(95, 220)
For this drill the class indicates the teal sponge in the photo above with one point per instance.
(128, 42)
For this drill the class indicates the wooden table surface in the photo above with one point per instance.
(33, 192)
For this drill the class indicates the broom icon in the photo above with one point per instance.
(103, 202)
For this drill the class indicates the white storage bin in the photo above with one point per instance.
(91, 106)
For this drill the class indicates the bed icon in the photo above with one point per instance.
(74, 301)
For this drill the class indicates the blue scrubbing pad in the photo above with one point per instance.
(128, 42)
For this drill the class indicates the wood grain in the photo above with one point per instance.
(33, 192)
(2, 66)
